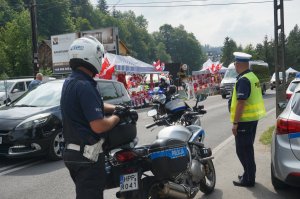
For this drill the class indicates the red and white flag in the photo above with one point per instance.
(107, 69)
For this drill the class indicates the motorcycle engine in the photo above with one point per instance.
(197, 171)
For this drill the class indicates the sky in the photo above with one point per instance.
(245, 23)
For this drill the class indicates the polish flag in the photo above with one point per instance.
(107, 69)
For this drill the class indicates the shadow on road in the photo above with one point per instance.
(217, 193)
(260, 191)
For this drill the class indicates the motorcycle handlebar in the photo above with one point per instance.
(150, 125)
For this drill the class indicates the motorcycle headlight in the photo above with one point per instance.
(34, 121)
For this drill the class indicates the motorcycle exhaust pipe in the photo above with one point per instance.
(173, 190)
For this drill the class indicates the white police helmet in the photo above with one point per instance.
(88, 51)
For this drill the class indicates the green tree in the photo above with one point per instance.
(227, 51)
(181, 45)
(161, 53)
(250, 50)
(293, 49)
(54, 17)
(102, 6)
(6, 12)
(265, 52)
(15, 46)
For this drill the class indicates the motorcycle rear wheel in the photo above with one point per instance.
(207, 185)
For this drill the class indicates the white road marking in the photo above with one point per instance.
(231, 138)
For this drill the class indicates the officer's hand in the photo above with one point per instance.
(234, 129)
(120, 111)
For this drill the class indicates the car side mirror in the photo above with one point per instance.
(15, 90)
(282, 105)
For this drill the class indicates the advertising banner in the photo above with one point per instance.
(60, 47)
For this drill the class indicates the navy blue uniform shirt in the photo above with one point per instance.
(82, 102)
(243, 86)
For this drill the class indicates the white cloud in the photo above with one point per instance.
(245, 24)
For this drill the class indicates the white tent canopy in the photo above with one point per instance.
(291, 70)
(128, 64)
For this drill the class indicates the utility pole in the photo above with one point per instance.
(34, 37)
(279, 54)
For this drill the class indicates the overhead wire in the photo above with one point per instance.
(194, 5)
(146, 4)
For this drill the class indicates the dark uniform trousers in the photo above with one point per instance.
(244, 149)
(89, 177)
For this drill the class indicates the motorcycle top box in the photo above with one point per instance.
(120, 135)
(169, 158)
(175, 105)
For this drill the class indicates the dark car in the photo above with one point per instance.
(32, 125)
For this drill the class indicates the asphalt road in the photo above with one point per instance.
(38, 178)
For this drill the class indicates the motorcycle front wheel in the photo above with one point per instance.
(207, 184)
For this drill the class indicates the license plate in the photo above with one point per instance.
(0, 140)
(129, 182)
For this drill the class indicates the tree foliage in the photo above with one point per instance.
(228, 49)
(15, 46)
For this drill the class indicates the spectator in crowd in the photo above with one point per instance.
(34, 83)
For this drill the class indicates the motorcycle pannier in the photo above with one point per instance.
(169, 157)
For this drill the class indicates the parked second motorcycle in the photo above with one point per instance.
(179, 162)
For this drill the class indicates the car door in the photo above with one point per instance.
(18, 89)
(294, 123)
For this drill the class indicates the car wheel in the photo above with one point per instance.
(56, 146)
(7, 100)
(277, 184)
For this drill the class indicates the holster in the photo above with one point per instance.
(92, 152)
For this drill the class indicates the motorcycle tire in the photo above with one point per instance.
(207, 185)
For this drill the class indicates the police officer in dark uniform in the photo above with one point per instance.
(84, 123)
(247, 107)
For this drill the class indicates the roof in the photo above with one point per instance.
(128, 64)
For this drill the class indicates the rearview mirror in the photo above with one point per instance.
(282, 105)
(152, 113)
(201, 97)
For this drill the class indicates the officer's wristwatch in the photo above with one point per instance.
(235, 123)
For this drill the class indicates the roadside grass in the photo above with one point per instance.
(266, 136)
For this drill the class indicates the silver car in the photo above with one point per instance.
(285, 148)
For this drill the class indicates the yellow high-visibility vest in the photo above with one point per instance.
(254, 107)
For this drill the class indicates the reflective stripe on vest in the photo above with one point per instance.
(254, 107)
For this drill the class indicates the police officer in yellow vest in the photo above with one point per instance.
(247, 107)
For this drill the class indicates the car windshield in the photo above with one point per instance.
(4, 84)
(45, 95)
(231, 73)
